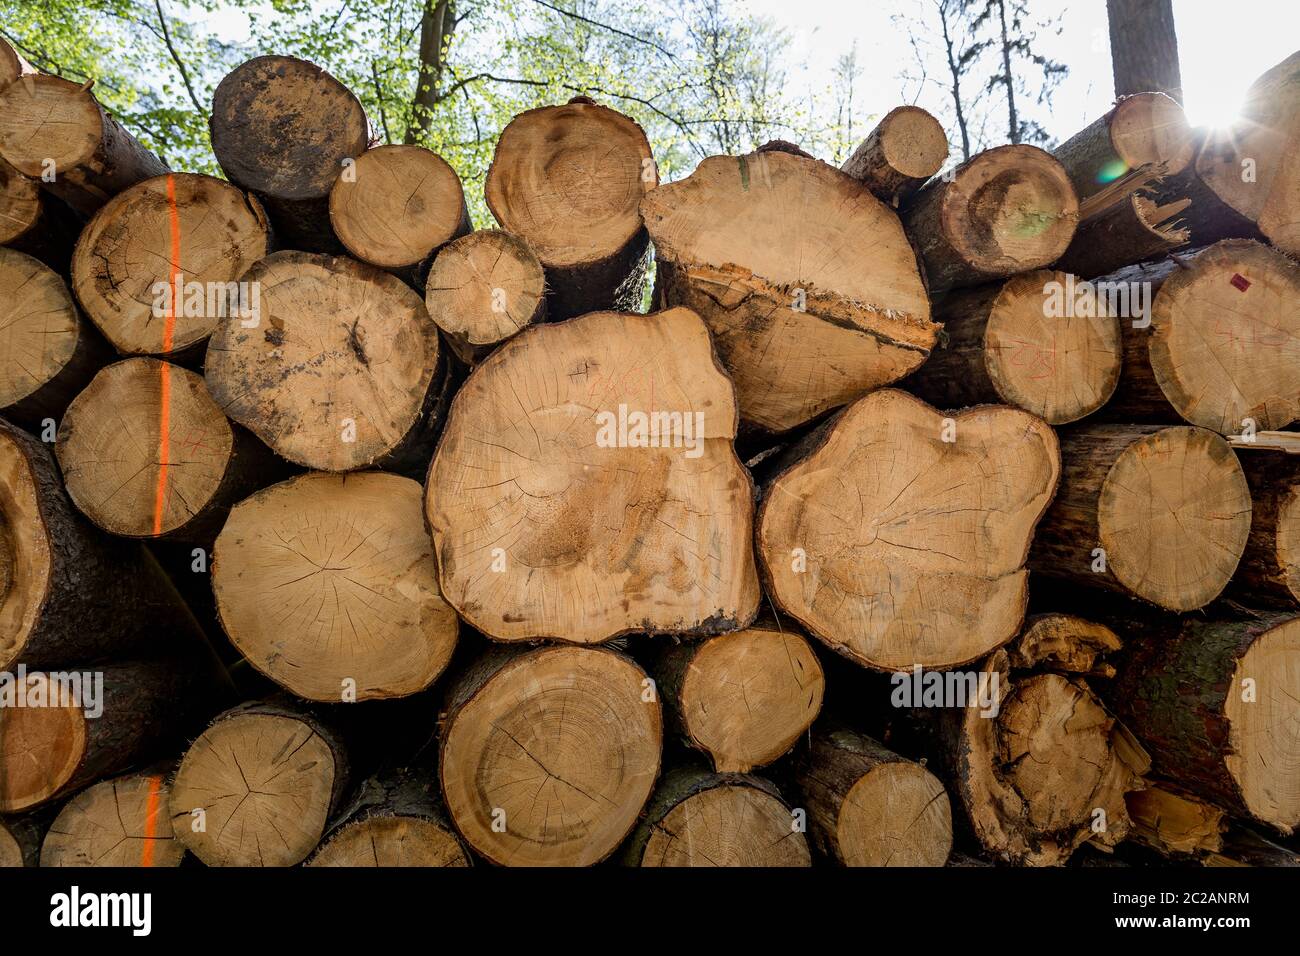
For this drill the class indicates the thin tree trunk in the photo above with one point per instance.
(1013, 127)
(436, 28)
(956, 82)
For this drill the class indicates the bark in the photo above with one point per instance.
(1144, 47)
(1269, 573)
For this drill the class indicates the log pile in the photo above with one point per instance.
(922, 519)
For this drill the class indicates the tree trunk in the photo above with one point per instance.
(120, 822)
(1269, 573)
(1144, 47)
(548, 756)
(567, 180)
(898, 537)
(36, 222)
(437, 24)
(905, 149)
(54, 130)
(343, 369)
(285, 129)
(1010, 209)
(586, 486)
(1159, 513)
(1013, 343)
(771, 249)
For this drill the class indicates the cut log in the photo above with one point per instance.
(1067, 643)
(12, 64)
(68, 593)
(567, 180)
(905, 149)
(145, 453)
(1136, 228)
(396, 820)
(1006, 210)
(35, 222)
(1024, 343)
(1269, 573)
(744, 698)
(770, 249)
(258, 786)
(586, 486)
(396, 206)
(326, 584)
(120, 822)
(867, 806)
(342, 371)
(48, 352)
(697, 818)
(900, 537)
(548, 756)
(68, 729)
(1216, 702)
(484, 288)
(284, 128)
(158, 267)
(54, 130)
(1173, 824)
(1145, 129)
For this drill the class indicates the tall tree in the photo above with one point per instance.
(1144, 47)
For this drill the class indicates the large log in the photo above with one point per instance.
(48, 352)
(1159, 513)
(1007, 210)
(586, 486)
(146, 453)
(54, 130)
(35, 222)
(744, 699)
(158, 267)
(905, 149)
(326, 584)
(898, 537)
(1022, 342)
(548, 756)
(698, 818)
(285, 129)
(343, 369)
(567, 180)
(1269, 572)
(258, 786)
(119, 822)
(805, 279)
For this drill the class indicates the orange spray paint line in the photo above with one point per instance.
(151, 811)
(165, 378)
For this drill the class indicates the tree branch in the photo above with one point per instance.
(185, 75)
(605, 26)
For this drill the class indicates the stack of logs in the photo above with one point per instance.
(917, 509)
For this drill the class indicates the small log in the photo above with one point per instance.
(1137, 228)
(1269, 572)
(484, 288)
(1006, 210)
(34, 221)
(548, 756)
(905, 149)
(12, 64)
(567, 180)
(54, 130)
(119, 822)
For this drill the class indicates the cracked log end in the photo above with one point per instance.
(39, 327)
(550, 760)
(121, 822)
(46, 118)
(326, 584)
(905, 149)
(338, 369)
(805, 279)
(41, 748)
(901, 539)
(392, 841)
(586, 485)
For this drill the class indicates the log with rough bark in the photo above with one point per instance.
(146, 453)
(899, 535)
(567, 180)
(484, 288)
(867, 806)
(1269, 572)
(341, 370)
(34, 221)
(65, 729)
(1215, 700)
(1159, 513)
(396, 206)
(744, 699)
(1222, 347)
(258, 786)
(285, 129)
(1007, 210)
(1135, 228)
(326, 584)
(548, 756)
(68, 593)
(119, 822)
(586, 486)
(699, 818)
(805, 279)
(397, 819)
(158, 267)
(54, 130)
(1024, 343)
(48, 352)
(905, 149)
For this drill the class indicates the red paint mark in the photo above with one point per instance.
(151, 809)
(165, 378)
(1239, 282)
